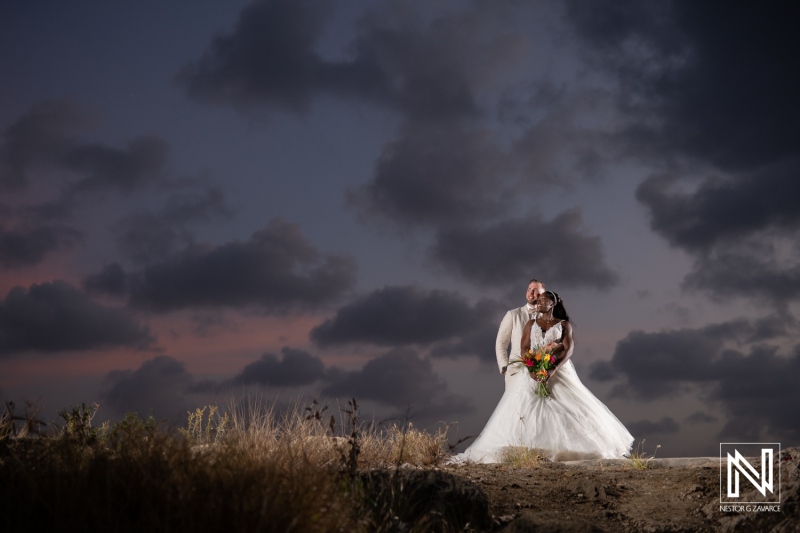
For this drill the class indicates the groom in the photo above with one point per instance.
(512, 326)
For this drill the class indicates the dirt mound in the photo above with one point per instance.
(613, 496)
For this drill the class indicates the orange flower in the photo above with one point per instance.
(538, 357)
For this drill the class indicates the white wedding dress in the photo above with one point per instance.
(570, 424)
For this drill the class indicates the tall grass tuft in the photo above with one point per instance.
(203, 429)
(522, 457)
(639, 459)
(30, 424)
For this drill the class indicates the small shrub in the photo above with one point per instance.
(78, 423)
(639, 459)
(130, 432)
(522, 457)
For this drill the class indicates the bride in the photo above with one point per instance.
(569, 424)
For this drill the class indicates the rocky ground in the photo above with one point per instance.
(611, 496)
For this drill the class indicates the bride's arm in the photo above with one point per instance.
(525, 343)
(568, 345)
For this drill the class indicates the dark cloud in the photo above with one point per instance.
(55, 317)
(476, 342)
(722, 210)
(210, 322)
(646, 428)
(30, 246)
(111, 281)
(276, 270)
(402, 379)
(656, 364)
(436, 173)
(158, 388)
(763, 269)
(729, 361)
(295, 368)
(394, 316)
(41, 136)
(759, 393)
(269, 58)
(637, 40)
(722, 114)
(717, 97)
(46, 137)
(700, 417)
(558, 252)
(103, 168)
(569, 144)
(424, 67)
(741, 229)
(145, 236)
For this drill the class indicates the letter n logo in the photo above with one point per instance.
(737, 466)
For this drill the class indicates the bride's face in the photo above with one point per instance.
(543, 303)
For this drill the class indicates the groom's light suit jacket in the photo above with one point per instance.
(511, 332)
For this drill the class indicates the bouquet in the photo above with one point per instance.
(540, 360)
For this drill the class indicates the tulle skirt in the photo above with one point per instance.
(570, 424)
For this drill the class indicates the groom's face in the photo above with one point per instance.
(534, 290)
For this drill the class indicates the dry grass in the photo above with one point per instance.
(13, 425)
(639, 459)
(251, 468)
(522, 457)
(262, 429)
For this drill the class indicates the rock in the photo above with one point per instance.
(589, 489)
(545, 523)
(503, 519)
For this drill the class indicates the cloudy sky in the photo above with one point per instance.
(335, 199)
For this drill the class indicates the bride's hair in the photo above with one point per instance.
(559, 311)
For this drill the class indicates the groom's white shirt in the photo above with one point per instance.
(510, 331)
